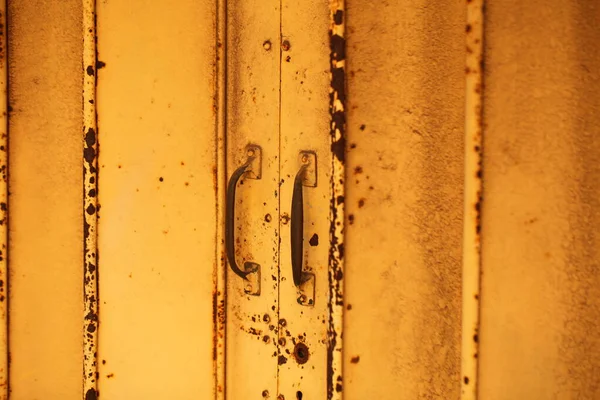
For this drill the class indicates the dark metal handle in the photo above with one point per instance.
(297, 227)
(230, 218)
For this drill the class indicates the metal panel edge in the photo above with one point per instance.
(473, 198)
(90, 206)
(336, 239)
(3, 205)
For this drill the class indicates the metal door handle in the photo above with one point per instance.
(297, 227)
(251, 272)
(304, 280)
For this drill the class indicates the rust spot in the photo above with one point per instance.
(351, 219)
(338, 147)
(363, 127)
(355, 359)
(361, 202)
(468, 28)
(288, 59)
(90, 70)
(110, 375)
(90, 139)
(338, 47)
(282, 322)
(349, 307)
(265, 393)
(338, 17)
(100, 64)
(161, 179)
(91, 395)
(267, 45)
(352, 145)
(301, 353)
(475, 338)
(281, 360)
(286, 45)
(314, 240)
(466, 380)
(358, 170)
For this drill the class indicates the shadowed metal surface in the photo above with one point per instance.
(46, 222)
(541, 281)
(404, 199)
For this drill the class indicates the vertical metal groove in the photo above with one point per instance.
(473, 200)
(3, 204)
(90, 206)
(280, 222)
(219, 297)
(336, 239)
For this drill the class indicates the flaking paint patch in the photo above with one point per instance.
(90, 204)
(338, 147)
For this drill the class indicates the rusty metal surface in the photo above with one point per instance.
(253, 73)
(156, 226)
(404, 199)
(220, 275)
(472, 199)
(3, 206)
(304, 342)
(46, 221)
(90, 204)
(540, 307)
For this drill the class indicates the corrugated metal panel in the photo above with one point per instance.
(156, 227)
(404, 200)
(183, 89)
(541, 278)
(46, 215)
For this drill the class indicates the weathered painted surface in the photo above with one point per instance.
(540, 312)
(305, 126)
(156, 227)
(253, 77)
(90, 203)
(398, 252)
(46, 221)
(473, 177)
(404, 199)
(3, 206)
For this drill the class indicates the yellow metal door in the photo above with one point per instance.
(305, 201)
(156, 199)
(251, 133)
